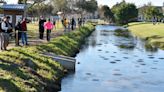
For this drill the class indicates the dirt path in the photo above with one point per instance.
(32, 41)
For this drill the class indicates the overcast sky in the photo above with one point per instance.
(137, 2)
(112, 2)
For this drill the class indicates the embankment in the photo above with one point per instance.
(25, 69)
(153, 34)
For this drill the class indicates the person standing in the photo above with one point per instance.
(1, 40)
(79, 22)
(6, 28)
(54, 22)
(72, 23)
(24, 32)
(18, 32)
(48, 26)
(9, 24)
(65, 25)
(41, 27)
(69, 26)
(1, 36)
(83, 21)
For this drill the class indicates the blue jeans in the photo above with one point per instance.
(24, 38)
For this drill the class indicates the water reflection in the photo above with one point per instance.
(111, 63)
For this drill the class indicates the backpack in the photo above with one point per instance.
(18, 26)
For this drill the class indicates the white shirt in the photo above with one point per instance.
(3, 26)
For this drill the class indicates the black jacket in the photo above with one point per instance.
(41, 24)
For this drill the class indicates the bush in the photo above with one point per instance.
(122, 33)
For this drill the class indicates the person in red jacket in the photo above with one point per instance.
(24, 32)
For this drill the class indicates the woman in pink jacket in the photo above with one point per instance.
(48, 26)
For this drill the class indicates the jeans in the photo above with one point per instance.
(4, 40)
(24, 38)
(1, 41)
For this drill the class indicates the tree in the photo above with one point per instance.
(40, 9)
(20, 1)
(59, 5)
(89, 6)
(106, 13)
(81, 4)
(125, 12)
(149, 12)
(34, 2)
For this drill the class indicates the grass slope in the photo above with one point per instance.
(27, 70)
(153, 33)
(33, 29)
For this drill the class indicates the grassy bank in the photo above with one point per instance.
(33, 29)
(68, 44)
(154, 34)
(27, 70)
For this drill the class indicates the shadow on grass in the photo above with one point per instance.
(24, 61)
(8, 86)
(14, 70)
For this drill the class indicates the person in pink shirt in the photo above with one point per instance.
(48, 26)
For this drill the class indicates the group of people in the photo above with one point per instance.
(155, 20)
(6, 29)
(21, 28)
(71, 24)
(48, 26)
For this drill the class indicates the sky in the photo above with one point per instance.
(137, 2)
(112, 2)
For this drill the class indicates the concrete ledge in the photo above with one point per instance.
(67, 62)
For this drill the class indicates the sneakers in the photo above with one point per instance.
(25, 45)
(3, 49)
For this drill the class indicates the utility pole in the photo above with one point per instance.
(25, 9)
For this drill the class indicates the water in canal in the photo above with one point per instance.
(110, 63)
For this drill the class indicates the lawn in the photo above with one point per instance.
(146, 30)
(33, 29)
(33, 34)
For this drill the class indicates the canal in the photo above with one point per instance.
(110, 63)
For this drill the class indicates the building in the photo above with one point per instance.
(15, 11)
(140, 13)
